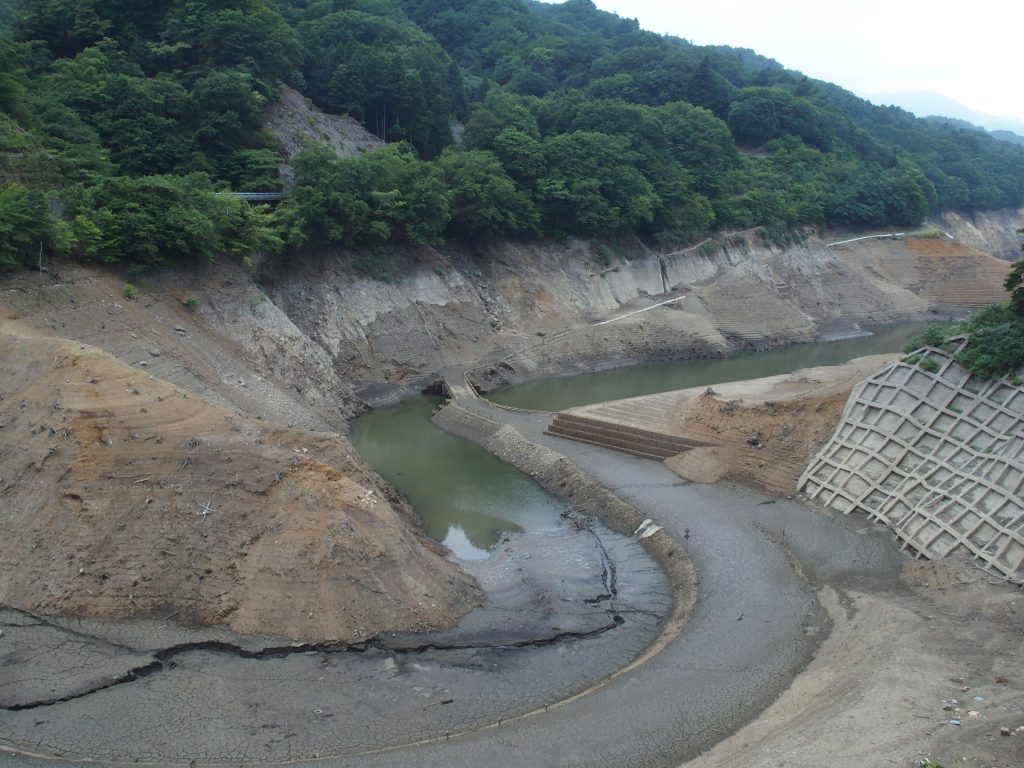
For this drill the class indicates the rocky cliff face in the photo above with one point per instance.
(504, 305)
(995, 232)
(296, 124)
(300, 343)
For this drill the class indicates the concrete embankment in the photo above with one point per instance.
(935, 453)
(582, 494)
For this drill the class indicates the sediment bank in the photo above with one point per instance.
(295, 351)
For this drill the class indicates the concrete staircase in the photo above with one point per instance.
(632, 440)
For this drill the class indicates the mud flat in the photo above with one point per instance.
(917, 659)
(149, 690)
(563, 611)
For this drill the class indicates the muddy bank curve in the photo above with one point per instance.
(583, 495)
(379, 355)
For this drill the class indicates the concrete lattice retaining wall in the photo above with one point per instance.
(936, 455)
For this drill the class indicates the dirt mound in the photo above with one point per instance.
(125, 495)
(764, 431)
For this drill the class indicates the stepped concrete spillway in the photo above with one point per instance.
(649, 444)
(763, 431)
(936, 454)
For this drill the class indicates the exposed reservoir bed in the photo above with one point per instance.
(467, 498)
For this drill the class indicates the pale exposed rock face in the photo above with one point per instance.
(296, 123)
(449, 308)
(995, 232)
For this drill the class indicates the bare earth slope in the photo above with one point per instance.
(125, 495)
(761, 431)
(511, 301)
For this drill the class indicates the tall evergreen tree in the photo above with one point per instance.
(709, 89)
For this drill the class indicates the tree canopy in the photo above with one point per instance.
(502, 117)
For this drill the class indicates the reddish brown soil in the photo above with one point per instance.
(124, 495)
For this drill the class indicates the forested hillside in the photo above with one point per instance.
(503, 117)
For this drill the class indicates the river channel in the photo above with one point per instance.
(466, 498)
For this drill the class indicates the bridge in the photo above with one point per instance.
(257, 197)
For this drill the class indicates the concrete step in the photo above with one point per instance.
(605, 444)
(619, 443)
(670, 441)
(620, 437)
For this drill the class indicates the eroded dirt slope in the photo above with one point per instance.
(123, 495)
(764, 431)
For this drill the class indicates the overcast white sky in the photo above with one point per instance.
(972, 52)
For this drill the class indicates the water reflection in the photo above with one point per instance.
(465, 497)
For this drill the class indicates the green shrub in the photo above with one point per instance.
(129, 291)
(603, 255)
(929, 364)
(708, 248)
(996, 341)
(934, 335)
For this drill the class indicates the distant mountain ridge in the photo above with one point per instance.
(929, 103)
(1010, 136)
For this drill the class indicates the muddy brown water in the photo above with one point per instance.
(467, 498)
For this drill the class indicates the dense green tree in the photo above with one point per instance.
(13, 79)
(411, 194)
(148, 221)
(384, 72)
(700, 142)
(520, 154)
(366, 201)
(499, 111)
(580, 123)
(706, 88)
(226, 110)
(591, 186)
(1015, 285)
(485, 201)
(758, 115)
(25, 225)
